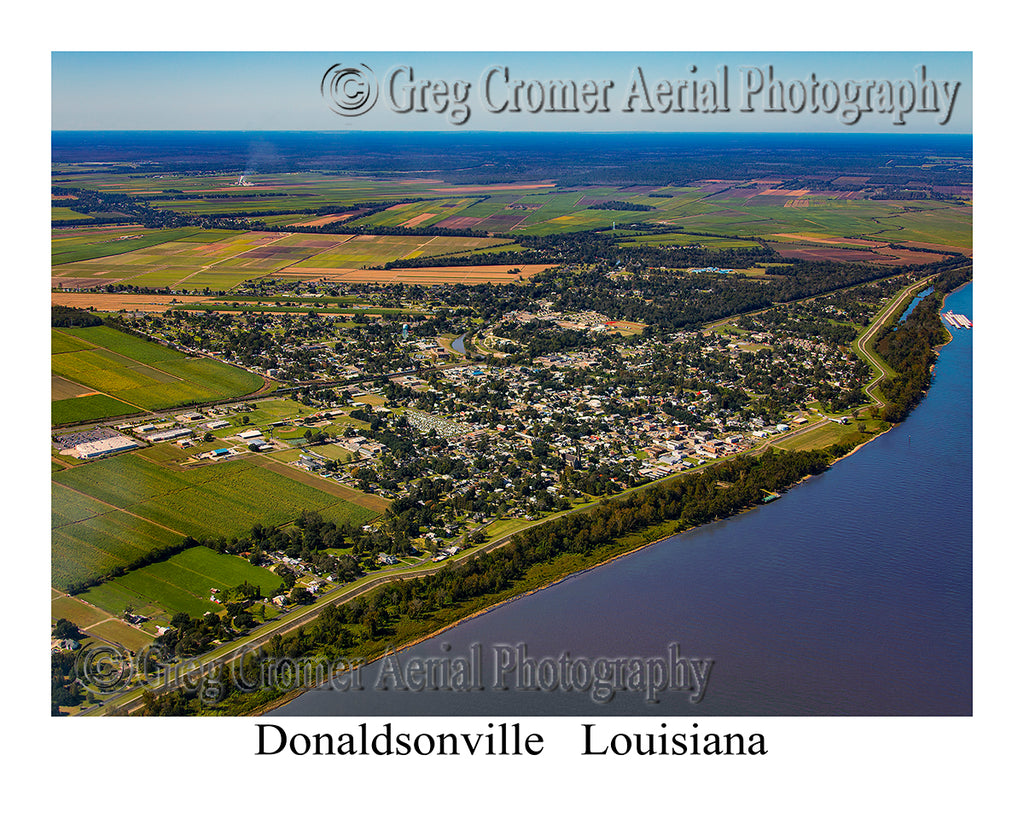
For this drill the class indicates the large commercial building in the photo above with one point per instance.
(107, 446)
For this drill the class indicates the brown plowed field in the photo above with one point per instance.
(881, 255)
(324, 220)
(110, 302)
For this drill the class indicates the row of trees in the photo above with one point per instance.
(61, 316)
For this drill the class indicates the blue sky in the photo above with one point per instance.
(281, 90)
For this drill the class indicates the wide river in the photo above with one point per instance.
(851, 594)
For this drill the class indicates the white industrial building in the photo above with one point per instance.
(108, 446)
(168, 435)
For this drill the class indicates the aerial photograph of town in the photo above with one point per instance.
(478, 413)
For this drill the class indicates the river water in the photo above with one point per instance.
(851, 594)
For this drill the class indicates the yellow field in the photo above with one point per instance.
(112, 302)
(474, 274)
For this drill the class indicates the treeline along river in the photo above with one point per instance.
(850, 594)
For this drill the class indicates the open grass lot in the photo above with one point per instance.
(268, 410)
(827, 435)
(131, 371)
(98, 622)
(181, 583)
(121, 633)
(111, 511)
(73, 609)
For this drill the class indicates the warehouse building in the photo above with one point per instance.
(108, 446)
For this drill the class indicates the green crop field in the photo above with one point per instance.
(417, 214)
(88, 408)
(130, 371)
(181, 583)
(360, 251)
(65, 214)
(683, 239)
(111, 511)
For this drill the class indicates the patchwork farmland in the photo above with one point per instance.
(221, 260)
(103, 372)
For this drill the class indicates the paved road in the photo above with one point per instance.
(863, 345)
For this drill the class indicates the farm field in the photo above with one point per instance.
(58, 213)
(131, 374)
(465, 274)
(683, 239)
(108, 513)
(311, 189)
(365, 250)
(199, 260)
(114, 302)
(181, 583)
(69, 245)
